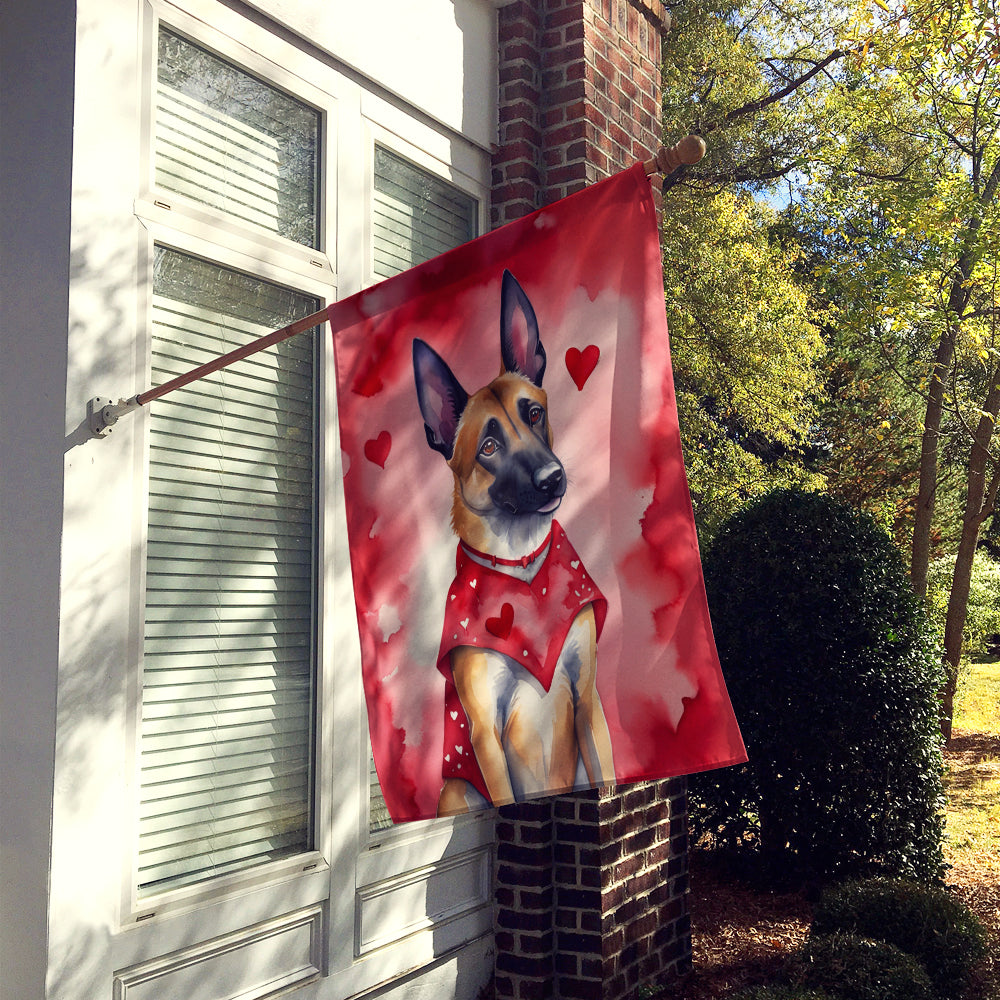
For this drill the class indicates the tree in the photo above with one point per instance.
(913, 188)
(867, 431)
(982, 620)
(746, 355)
(879, 123)
(747, 352)
(746, 76)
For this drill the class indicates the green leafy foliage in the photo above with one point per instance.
(782, 993)
(833, 672)
(857, 968)
(876, 128)
(908, 185)
(746, 354)
(983, 611)
(748, 77)
(868, 422)
(926, 922)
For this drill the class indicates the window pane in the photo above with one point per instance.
(228, 140)
(228, 656)
(416, 216)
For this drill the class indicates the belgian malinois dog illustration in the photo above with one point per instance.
(522, 617)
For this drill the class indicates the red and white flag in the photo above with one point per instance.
(526, 573)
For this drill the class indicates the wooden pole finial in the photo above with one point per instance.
(668, 158)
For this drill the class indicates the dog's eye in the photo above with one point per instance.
(489, 447)
(535, 415)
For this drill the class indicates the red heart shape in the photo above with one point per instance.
(580, 364)
(500, 627)
(377, 449)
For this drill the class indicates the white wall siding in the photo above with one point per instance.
(434, 55)
(36, 107)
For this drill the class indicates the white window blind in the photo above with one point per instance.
(230, 141)
(228, 660)
(228, 676)
(416, 216)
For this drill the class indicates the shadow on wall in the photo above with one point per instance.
(95, 703)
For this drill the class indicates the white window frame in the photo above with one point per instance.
(349, 871)
(386, 126)
(177, 223)
(388, 858)
(195, 244)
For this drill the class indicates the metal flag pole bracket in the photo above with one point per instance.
(103, 413)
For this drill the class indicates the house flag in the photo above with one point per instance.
(526, 574)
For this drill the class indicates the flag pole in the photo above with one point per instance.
(103, 413)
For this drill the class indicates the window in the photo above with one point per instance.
(210, 831)
(227, 140)
(228, 687)
(229, 646)
(274, 183)
(416, 216)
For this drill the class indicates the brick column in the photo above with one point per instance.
(591, 888)
(524, 902)
(591, 893)
(579, 96)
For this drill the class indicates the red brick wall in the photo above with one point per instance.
(591, 889)
(579, 96)
(524, 902)
(591, 893)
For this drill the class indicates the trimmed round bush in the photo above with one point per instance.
(833, 671)
(926, 922)
(856, 968)
(782, 993)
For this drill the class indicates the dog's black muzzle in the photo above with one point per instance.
(525, 488)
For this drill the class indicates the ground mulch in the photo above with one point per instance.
(742, 934)
(982, 896)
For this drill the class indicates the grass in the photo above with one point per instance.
(973, 783)
(978, 698)
(973, 808)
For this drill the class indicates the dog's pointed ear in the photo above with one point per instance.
(440, 396)
(520, 347)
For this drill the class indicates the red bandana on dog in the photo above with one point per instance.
(528, 622)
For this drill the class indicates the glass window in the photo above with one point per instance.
(226, 139)
(416, 216)
(228, 680)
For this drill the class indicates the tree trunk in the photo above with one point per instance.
(958, 299)
(920, 553)
(980, 499)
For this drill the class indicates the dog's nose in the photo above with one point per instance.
(549, 478)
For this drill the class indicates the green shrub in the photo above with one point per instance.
(856, 968)
(925, 922)
(833, 672)
(782, 993)
(982, 618)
